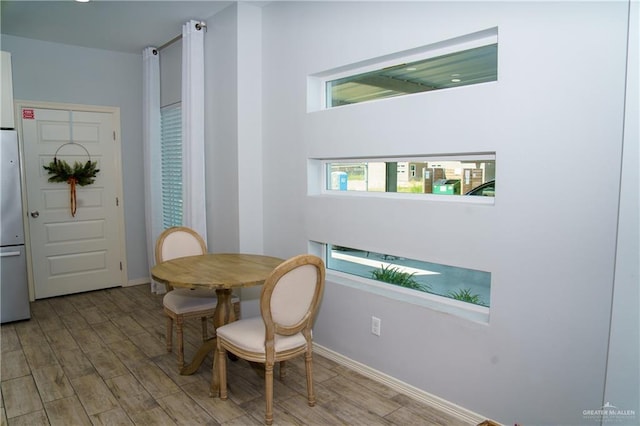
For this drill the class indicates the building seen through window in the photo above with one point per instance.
(420, 176)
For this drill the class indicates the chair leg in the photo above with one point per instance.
(220, 363)
(204, 329)
(308, 361)
(283, 369)
(268, 390)
(179, 333)
(236, 312)
(169, 334)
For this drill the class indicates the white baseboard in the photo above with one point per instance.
(418, 394)
(137, 282)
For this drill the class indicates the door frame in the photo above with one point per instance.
(115, 111)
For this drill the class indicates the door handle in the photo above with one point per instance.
(10, 253)
(35, 213)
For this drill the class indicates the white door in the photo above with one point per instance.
(71, 254)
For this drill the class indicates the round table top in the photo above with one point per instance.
(215, 270)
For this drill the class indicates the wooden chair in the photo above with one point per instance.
(288, 304)
(182, 303)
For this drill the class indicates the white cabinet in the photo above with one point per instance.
(6, 93)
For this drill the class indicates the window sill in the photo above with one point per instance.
(407, 196)
(468, 311)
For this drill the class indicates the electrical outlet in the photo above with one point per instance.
(375, 326)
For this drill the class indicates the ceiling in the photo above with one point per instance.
(123, 26)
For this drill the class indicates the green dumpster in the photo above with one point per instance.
(447, 187)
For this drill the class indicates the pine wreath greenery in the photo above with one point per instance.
(83, 174)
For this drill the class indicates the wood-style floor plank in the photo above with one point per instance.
(60, 339)
(30, 419)
(184, 410)
(52, 383)
(9, 340)
(20, 396)
(75, 363)
(222, 411)
(117, 416)
(67, 411)
(351, 414)
(362, 396)
(29, 333)
(88, 340)
(39, 355)
(107, 363)
(131, 395)
(154, 380)
(94, 394)
(108, 331)
(153, 417)
(100, 358)
(74, 321)
(14, 364)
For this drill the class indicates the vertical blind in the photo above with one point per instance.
(171, 151)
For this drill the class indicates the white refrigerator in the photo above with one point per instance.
(14, 289)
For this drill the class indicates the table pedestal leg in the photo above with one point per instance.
(223, 315)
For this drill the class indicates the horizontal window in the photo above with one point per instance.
(466, 285)
(461, 61)
(472, 66)
(471, 175)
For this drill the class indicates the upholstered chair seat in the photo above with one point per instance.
(185, 300)
(248, 335)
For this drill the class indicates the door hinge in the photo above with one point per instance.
(117, 202)
(114, 135)
(121, 266)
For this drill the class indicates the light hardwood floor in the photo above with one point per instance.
(99, 358)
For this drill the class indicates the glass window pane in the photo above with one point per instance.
(419, 175)
(471, 66)
(467, 285)
(171, 163)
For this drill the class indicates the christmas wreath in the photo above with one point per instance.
(79, 174)
(83, 175)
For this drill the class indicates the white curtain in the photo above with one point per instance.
(193, 174)
(152, 153)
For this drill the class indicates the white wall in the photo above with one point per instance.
(555, 121)
(234, 135)
(623, 367)
(250, 164)
(53, 72)
(221, 131)
(234, 123)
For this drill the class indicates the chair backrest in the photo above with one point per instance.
(291, 295)
(179, 241)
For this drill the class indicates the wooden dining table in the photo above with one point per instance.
(219, 271)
